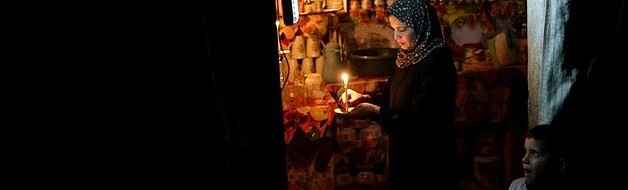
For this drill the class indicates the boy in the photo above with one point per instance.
(544, 162)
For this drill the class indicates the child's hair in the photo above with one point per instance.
(550, 137)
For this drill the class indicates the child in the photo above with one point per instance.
(545, 161)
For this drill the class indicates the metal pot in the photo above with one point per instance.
(373, 61)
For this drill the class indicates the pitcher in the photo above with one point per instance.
(313, 46)
(333, 66)
(297, 47)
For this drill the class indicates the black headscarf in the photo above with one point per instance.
(421, 17)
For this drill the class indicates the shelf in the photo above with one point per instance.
(322, 12)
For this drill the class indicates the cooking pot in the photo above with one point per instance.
(374, 61)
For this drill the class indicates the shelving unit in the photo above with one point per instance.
(326, 11)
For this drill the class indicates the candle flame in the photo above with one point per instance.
(345, 101)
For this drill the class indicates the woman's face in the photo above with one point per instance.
(404, 35)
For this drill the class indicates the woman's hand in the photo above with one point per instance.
(354, 97)
(365, 110)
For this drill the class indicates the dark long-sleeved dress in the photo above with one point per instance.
(419, 119)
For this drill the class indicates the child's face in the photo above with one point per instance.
(536, 162)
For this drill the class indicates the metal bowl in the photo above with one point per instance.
(373, 61)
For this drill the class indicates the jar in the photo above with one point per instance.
(390, 2)
(367, 4)
(355, 5)
(315, 87)
(381, 3)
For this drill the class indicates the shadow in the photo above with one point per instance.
(591, 113)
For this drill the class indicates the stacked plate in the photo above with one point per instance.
(334, 4)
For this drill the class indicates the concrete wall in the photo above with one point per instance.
(548, 84)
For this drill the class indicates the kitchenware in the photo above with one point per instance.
(390, 2)
(294, 68)
(333, 65)
(297, 47)
(315, 87)
(373, 61)
(307, 66)
(300, 96)
(313, 46)
(367, 4)
(334, 4)
(355, 5)
(317, 5)
(320, 63)
(379, 3)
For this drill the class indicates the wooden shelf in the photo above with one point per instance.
(322, 12)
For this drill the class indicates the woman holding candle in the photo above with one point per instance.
(419, 114)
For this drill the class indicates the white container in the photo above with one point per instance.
(315, 86)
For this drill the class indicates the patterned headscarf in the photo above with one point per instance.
(419, 15)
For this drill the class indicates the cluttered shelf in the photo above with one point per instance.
(324, 11)
(487, 94)
(491, 116)
(328, 150)
(324, 151)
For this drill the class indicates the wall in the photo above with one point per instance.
(548, 82)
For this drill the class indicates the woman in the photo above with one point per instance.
(419, 114)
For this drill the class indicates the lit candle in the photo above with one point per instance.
(278, 40)
(345, 79)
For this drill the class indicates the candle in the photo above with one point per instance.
(345, 79)
(278, 40)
